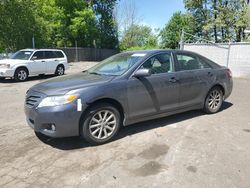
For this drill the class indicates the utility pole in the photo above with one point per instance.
(33, 42)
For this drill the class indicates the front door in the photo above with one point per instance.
(37, 64)
(157, 93)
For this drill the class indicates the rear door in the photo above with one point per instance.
(51, 61)
(191, 85)
(37, 64)
(157, 93)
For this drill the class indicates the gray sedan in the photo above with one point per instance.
(125, 89)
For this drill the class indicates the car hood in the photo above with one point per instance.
(12, 61)
(63, 84)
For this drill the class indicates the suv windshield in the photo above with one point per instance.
(117, 64)
(23, 55)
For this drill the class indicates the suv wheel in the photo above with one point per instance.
(59, 70)
(21, 74)
(213, 100)
(101, 124)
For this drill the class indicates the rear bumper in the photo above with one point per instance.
(65, 118)
(6, 72)
(228, 87)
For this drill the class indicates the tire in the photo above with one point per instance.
(59, 70)
(2, 78)
(213, 100)
(21, 75)
(101, 131)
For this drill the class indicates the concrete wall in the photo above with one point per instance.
(239, 55)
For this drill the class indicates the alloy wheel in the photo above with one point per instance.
(60, 71)
(214, 100)
(22, 75)
(102, 124)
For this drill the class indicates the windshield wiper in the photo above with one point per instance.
(94, 73)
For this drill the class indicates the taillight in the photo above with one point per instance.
(229, 73)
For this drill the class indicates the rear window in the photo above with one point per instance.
(50, 55)
(59, 54)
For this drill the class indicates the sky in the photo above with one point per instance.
(156, 13)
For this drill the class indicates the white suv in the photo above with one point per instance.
(33, 62)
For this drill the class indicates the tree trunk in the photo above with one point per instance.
(215, 17)
(222, 34)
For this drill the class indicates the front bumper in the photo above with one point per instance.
(65, 118)
(4, 72)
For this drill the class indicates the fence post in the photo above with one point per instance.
(76, 59)
(228, 53)
(182, 40)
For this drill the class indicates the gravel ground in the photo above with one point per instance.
(187, 150)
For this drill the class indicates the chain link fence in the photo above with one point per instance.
(76, 54)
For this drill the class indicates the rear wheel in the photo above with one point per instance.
(213, 100)
(59, 70)
(101, 124)
(21, 74)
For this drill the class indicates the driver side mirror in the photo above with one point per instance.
(142, 73)
(34, 58)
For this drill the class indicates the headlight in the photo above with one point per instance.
(57, 100)
(5, 66)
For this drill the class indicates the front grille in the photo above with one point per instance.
(32, 100)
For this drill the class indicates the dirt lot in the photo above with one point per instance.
(186, 150)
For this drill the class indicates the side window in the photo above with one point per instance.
(50, 55)
(38, 55)
(189, 62)
(59, 54)
(161, 63)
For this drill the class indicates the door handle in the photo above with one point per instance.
(173, 80)
(210, 74)
(43, 61)
(56, 60)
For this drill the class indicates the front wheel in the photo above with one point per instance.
(21, 74)
(213, 100)
(101, 124)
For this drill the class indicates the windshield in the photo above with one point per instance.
(23, 55)
(117, 64)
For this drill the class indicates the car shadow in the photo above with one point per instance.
(71, 143)
(32, 78)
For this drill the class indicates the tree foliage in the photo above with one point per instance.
(57, 23)
(220, 20)
(171, 33)
(138, 37)
(17, 24)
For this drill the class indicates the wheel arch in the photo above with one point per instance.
(60, 64)
(220, 86)
(22, 67)
(111, 101)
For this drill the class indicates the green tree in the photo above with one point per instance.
(138, 37)
(106, 23)
(220, 20)
(171, 33)
(17, 24)
(49, 22)
(84, 27)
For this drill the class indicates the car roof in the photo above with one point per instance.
(28, 49)
(150, 52)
